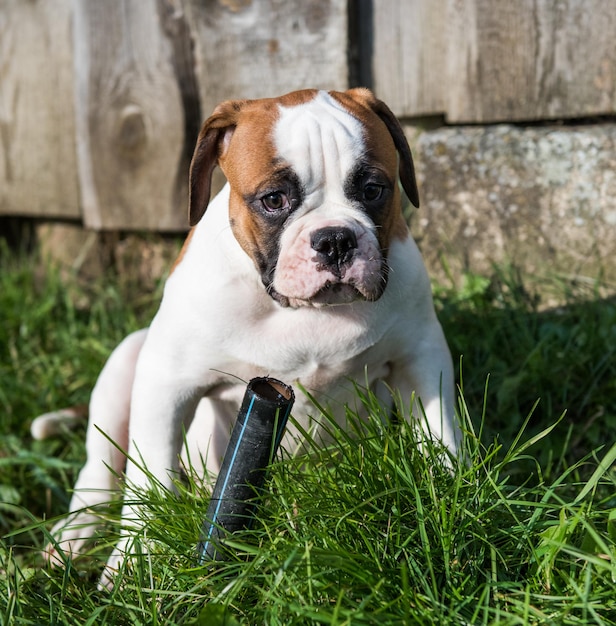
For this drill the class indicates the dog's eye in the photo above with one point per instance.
(372, 192)
(275, 201)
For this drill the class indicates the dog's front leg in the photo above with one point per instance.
(160, 409)
(426, 373)
(107, 436)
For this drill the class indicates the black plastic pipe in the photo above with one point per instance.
(254, 442)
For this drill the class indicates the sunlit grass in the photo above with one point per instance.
(366, 531)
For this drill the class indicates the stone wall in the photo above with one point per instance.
(542, 198)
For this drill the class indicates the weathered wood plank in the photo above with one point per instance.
(249, 49)
(409, 55)
(530, 59)
(38, 172)
(130, 117)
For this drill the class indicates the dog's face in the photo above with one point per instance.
(314, 190)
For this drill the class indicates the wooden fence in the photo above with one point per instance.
(101, 100)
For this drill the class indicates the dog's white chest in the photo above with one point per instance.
(226, 325)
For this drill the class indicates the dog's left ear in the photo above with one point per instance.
(406, 168)
(212, 142)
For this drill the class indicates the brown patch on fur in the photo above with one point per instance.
(255, 118)
(182, 251)
(238, 137)
(387, 145)
(394, 225)
(399, 228)
(248, 164)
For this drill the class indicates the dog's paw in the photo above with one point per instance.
(54, 556)
(59, 551)
(113, 566)
(69, 538)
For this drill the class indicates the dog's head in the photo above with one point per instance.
(314, 190)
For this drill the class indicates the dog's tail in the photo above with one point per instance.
(54, 422)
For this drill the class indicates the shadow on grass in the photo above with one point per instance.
(555, 361)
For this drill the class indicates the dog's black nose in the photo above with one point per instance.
(334, 246)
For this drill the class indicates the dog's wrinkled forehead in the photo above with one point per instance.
(308, 137)
(319, 139)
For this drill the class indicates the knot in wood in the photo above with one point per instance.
(131, 137)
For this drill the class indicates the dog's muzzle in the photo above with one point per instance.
(331, 265)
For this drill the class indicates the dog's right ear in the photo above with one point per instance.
(212, 143)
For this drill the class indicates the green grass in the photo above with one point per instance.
(367, 531)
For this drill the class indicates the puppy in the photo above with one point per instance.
(301, 268)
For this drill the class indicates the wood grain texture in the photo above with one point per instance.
(262, 48)
(38, 171)
(130, 117)
(409, 55)
(101, 100)
(530, 59)
(496, 60)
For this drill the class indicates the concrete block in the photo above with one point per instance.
(540, 198)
